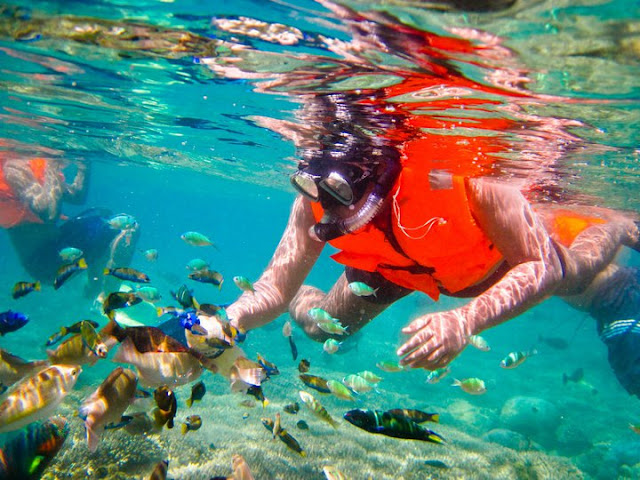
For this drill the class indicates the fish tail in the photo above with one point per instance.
(265, 402)
(36, 286)
(456, 383)
(184, 429)
(303, 453)
(435, 418)
(82, 263)
(159, 311)
(106, 271)
(196, 305)
(189, 402)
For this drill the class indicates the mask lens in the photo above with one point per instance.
(306, 185)
(338, 188)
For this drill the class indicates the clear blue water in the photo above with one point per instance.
(178, 147)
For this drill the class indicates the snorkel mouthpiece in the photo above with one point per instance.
(326, 231)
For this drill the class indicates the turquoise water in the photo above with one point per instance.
(173, 140)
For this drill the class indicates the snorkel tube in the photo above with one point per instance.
(331, 228)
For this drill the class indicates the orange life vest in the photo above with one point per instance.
(12, 210)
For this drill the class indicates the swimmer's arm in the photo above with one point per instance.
(76, 192)
(43, 200)
(519, 234)
(509, 221)
(292, 261)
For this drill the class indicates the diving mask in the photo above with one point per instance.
(334, 184)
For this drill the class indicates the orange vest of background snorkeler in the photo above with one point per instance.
(13, 211)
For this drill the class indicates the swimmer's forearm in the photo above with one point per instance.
(521, 288)
(293, 259)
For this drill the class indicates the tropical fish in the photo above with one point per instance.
(357, 383)
(317, 409)
(370, 377)
(167, 406)
(315, 382)
(302, 425)
(148, 294)
(245, 372)
(249, 403)
(332, 473)
(334, 328)
(243, 284)
(159, 358)
(340, 391)
(284, 436)
(303, 366)
(37, 397)
(11, 321)
(20, 289)
(127, 273)
(292, 408)
(635, 428)
(417, 416)
(197, 392)
(65, 271)
(269, 367)
(389, 366)
(208, 276)
(384, 423)
(64, 331)
(107, 404)
(436, 464)
(184, 296)
(197, 264)
(92, 339)
(554, 342)
(362, 289)
(516, 358)
(70, 254)
(434, 376)
(473, 386)
(117, 300)
(193, 423)
(196, 239)
(13, 368)
(151, 254)
(123, 221)
(287, 331)
(479, 342)
(257, 393)
(188, 320)
(160, 471)
(331, 346)
(318, 314)
(73, 351)
(27, 455)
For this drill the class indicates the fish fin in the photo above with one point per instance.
(159, 311)
(435, 418)
(184, 429)
(82, 263)
(456, 383)
(106, 271)
(199, 330)
(189, 402)
(196, 305)
(434, 437)
(36, 286)
(265, 402)
(93, 438)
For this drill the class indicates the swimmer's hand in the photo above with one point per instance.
(437, 339)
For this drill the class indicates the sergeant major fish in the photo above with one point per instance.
(515, 359)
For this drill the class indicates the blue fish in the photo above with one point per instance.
(11, 321)
(189, 320)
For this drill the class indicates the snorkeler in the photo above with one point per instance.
(32, 192)
(410, 210)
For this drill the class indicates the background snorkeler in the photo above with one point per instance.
(32, 192)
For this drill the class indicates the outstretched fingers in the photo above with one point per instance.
(419, 339)
(417, 325)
